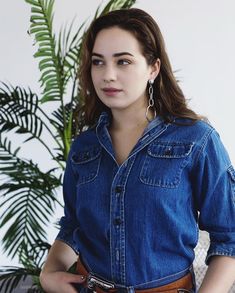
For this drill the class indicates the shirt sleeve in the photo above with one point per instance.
(68, 223)
(215, 196)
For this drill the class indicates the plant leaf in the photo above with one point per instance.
(18, 111)
(28, 197)
(11, 276)
(42, 29)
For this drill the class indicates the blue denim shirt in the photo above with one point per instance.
(136, 224)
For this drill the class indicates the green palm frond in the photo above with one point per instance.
(126, 3)
(52, 78)
(18, 110)
(28, 195)
(11, 276)
(32, 260)
(28, 200)
(70, 48)
(114, 5)
(34, 256)
(64, 130)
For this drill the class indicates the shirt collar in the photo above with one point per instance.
(105, 119)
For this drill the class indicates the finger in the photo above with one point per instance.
(76, 278)
(81, 278)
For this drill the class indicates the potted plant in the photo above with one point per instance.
(29, 194)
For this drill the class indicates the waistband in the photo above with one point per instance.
(98, 285)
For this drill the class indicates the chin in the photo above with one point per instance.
(118, 107)
(114, 106)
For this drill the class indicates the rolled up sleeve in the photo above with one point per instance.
(68, 223)
(214, 185)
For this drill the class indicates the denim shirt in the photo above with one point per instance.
(136, 224)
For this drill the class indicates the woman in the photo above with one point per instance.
(143, 176)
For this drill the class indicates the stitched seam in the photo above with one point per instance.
(204, 142)
(231, 172)
(161, 279)
(81, 162)
(124, 230)
(160, 182)
(170, 144)
(93, 176)
(68, 243)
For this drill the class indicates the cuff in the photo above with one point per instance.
(66, 234)
(67, 240)
(219, 250)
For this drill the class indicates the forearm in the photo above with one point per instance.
(220, 275)
(60, 258)
(54, 277)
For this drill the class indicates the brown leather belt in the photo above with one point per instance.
(183, 285)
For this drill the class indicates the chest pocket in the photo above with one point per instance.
(164, 163)
(86, 164)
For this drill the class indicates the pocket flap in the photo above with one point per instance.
(87, 155)
(170, 149)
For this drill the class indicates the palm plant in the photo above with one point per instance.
(28, 194)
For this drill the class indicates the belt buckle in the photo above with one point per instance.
(93, 281)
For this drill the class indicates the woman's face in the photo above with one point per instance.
(119, 70)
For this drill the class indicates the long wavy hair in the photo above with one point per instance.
(169, 98)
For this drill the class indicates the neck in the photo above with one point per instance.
(128, 119)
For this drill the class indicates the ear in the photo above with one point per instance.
(155, 69)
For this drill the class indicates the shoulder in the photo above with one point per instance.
(202, 136)
(200, 125)
(206, 140)
(189, 130)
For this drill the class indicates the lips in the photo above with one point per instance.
(111, 91)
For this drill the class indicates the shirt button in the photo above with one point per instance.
(168, 152)
(118, 189)
(117, 221)
(86, 156)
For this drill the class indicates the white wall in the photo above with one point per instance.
(200, 41)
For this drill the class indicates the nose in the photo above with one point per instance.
(109, 73)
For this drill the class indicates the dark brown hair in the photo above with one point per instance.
(169, 98)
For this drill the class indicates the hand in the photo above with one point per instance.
(60, 282)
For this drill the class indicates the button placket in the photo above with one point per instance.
(117, 221)
(118, 191)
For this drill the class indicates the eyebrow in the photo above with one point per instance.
(114, 55)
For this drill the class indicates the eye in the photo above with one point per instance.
(97, 62)
(124, 62)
